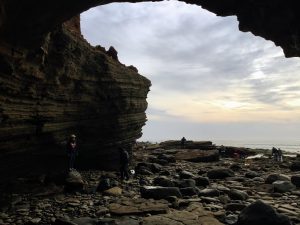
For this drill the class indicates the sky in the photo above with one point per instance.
(209, 80)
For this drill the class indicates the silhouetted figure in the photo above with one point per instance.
(279, 155)
(275, 153)
(72, 151)
(124, 161)
(182, 142)
(222, 151)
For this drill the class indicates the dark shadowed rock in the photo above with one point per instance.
(153, 167)
(209, 192)
(235, 206)
(275, 177)
(185, 183)
(74, 182)
(238, 195)
(283, 186)
(261, 213)
(220, 173)
(104, 184)
(185, 174)
(159, 192)
(296, 180)
(202, 181)
(235, 167)
(189, 191)
(252, 174)
(163, 182)
(295, 166)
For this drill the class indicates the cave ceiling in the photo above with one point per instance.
(26, 22)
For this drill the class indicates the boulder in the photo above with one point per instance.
(104, 184)
(202, 181)
(163, 182)
(220, 173)
(189, 191)
(209, 192)
(159, 192)
(283, 186)
(74, 182)
(295, 166)
(185, 183)
(238, 195)
(153, 167)
(115, 191)
(185, 174)
(252, 174)
(261, 213)
(275, 177)
(235, 206)
(296, 180)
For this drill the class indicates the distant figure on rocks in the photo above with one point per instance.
(279, 155)
(124, 161)
(183, 141)
(222, 151)
(72, 151)
(275, 153)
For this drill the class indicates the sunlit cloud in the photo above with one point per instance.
(202, 69)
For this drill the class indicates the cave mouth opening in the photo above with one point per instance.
(209, 80)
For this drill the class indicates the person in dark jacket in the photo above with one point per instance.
(182, 142)
(72, 151)
(124, 162)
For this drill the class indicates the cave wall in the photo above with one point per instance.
(53, 83)
(66, 86)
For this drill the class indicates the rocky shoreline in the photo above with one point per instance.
(170, 186)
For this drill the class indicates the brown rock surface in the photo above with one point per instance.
(67, 86)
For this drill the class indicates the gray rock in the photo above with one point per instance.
(283, 186)
(185, 174)
(238, 195)
(252, 174)
(159, 192)
(220, 173)
(186, 183)
(275, 177)
(85, 221)
(209, 192)
(261, 213)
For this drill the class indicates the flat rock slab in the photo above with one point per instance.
(193, 215)
(139, 206)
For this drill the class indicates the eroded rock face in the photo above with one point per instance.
(67, 86)
(272, 20)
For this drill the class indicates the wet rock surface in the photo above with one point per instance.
(179, 192)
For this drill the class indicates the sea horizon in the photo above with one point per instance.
(291, 145)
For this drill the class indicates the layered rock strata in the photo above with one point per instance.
(66, 86)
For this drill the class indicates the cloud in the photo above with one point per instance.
(201, 67)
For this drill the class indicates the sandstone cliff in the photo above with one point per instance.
(66, 86)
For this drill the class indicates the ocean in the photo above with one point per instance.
(292, 146)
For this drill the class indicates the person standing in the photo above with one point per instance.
(182, 142)
(124, 162)
(72, 151)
